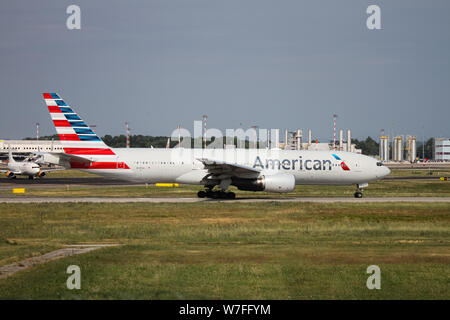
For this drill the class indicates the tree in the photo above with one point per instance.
(368, 147)
(429, 147)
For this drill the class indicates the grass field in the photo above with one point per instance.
(231, 250)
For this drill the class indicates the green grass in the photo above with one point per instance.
(231, 250)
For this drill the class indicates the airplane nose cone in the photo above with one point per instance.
(382, 171)
(386, 172)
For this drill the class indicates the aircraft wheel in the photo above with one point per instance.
(358, 194)
(30, 177)
(223, 195)
(214, 195)
(231, 195)
(201, 194)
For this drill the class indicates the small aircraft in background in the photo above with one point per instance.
(29, 167)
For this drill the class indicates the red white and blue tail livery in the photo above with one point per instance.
(78, 139)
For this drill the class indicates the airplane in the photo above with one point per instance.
(269, 170)
(28, 167)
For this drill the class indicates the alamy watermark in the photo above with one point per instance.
(373, 22)
(73, 21)
(74, 280)
(373, 281)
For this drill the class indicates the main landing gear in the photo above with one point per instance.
(209, 193)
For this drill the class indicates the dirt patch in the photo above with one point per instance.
(12, 268)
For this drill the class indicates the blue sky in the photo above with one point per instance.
(275, 64)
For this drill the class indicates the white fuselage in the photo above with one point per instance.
(180, 165)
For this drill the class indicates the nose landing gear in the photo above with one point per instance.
(358, 193)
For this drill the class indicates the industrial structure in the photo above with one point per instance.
(402, 150)
(397, 148)
(127, 128)
(294, 141)
(384, 148)
(411, 149)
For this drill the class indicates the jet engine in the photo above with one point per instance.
(10, 174)
(41, 174)
(280, 182)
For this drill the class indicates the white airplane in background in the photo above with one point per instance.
(270, 170)
(28, 167)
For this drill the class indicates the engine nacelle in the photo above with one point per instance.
(41, 174)
(10, 174)
(280, 182)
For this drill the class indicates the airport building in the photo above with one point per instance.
(30, 146)
(441, 149)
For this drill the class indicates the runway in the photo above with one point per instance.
(238, 200)
(21, 182)
(58, 182)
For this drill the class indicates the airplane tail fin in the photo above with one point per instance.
(77, 138)
(82, 146)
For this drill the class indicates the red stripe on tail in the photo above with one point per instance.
(68, 137)
(54, 109)
(61, 123)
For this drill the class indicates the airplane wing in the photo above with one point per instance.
(223, 168)
(4, 171)
(61, 159)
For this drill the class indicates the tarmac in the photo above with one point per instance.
(58, 182)
(22, 182)
(238, 200)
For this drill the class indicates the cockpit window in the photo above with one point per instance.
(380, 164)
